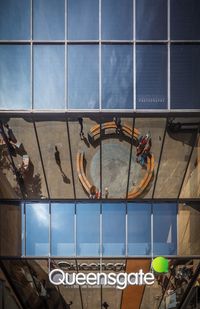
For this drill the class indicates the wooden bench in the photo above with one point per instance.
(136, 191)
(81, 173)
(95, 131)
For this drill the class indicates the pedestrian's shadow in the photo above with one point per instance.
(58, 162)
(86, 142)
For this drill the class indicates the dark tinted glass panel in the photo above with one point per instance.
(117, 76)
(117, 19)
(15, 77)
(83, 20)
(164, 229)
(151, 19)
(185, 22)
(37, 229)
(113, 229)
(62, 229)
(185, 75)
(88, 229)
(49, 77)
(151, 76)
(139, 229)
(49, 19)
(83, 80)
(14, 20)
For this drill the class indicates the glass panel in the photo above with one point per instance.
(117, 76)
(70, 295)
(62, 229)
(164, 229)
(111, 296)
(88, 229)
(185, 73)
(151, 19)
(113, 228)
(91, 295)
(37, 229)
(10, 230)
(83, 20)
(83, 79)
(14, 20)
(188, 229)
(26, 156)
(185, 22)
(116, 136)
(139, 229)
(54, 145)
(85, 148)
(15, 77)
(49, 77)
(117, 20)
(49, 19)
(145, 156)
(191, 185)
(151, 76)
(178, 144)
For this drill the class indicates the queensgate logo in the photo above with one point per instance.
(61, 276)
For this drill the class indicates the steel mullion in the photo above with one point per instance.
(131, 150)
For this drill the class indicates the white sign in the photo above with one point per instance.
(119, 280)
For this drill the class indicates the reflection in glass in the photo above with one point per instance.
(185, 72)
(164, 229)
(176, 151)
(184, 16)
(54, 145)
(83, 80)
(139, 229)
(62, 229)
(154, 127)
(116, 146)
(83, 20)
(85, 149)
(117, 20)
(151, 19)
(27, 158)
(49, 19)
(151, 76)
(49, 77)
(15, 77)
(37, 229)
(117, 76)
(113, 228)
(88, 229)
(191, 185)
(15, 20)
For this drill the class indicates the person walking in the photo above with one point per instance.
(80, 120)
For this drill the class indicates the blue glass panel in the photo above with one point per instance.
(164, 229)
(117, 19)
(83, 80)
(185, 76)
(15, 77)
(23, 228)
(88, 229)
(83, 20)
(151, 76)
(49, 76)
(49, 19)
(139, 229)
(113, 229)
(37, 229)
(62, 229)
(185, 21)
(14, 20)
(117, 76)
(151, 19)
